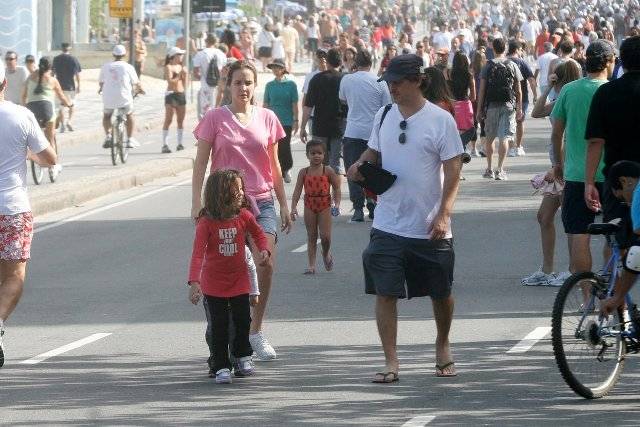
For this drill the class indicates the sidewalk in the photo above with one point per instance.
(87, 169)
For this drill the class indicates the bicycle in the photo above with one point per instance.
(119, 147)
(589, 349)
(37, 171)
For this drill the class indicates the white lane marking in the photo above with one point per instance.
(419, 421)
(302, 248)
(65, 348)
(530, 340)
(107, 207)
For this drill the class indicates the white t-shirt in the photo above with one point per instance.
(278, 48)
(265, 39)
(20, 131)
(364, 95)
(543, 66)
(410, 205)
(15, 84)
(202, 59)
(118, 79)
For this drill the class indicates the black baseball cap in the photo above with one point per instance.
(402, 66)
(600, 48)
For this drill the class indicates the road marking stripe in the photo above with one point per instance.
(107, 207)
(419, 421)
(530, 340)
(65, 348)
(302, 248)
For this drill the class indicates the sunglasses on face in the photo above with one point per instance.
(403, 136)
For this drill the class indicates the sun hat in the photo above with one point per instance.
(277, 63)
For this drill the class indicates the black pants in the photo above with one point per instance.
(352, 149)
(284, 150)
(218, 310)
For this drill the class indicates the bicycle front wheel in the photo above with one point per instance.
(37, 172)
(115, 141)
(589, 353)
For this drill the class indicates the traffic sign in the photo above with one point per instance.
(121, 8)
(199, 6)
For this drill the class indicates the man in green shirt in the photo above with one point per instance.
(569, 121)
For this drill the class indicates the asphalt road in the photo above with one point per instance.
(118, 265)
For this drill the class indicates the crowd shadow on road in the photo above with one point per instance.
(315, 385)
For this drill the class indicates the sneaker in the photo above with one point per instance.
(474, 153)
(166, 149)
(1, 346)
(513, 152)
(243, 367)
(482, 153)
(179, 147)
(223, 376)
(358, 215)
(465, 157)
(287, 177)
(539, 278)
(261, 346)
(488, 173)
(520, 152)
(500, 175)
(559, 279)
(108, 142)
(132, 143)
(69, 127)
(55, 171)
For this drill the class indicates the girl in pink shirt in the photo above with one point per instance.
(218, 269)
(244, 136)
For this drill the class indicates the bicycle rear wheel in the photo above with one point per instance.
(115, 140)
(590, 358)
(37, 172)
(123, 147)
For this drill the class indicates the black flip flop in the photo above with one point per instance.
(441, 369)
(385, 378)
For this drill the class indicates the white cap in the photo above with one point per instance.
(175, 51)
(2, 72)
(119, 50)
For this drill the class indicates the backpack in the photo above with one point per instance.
(500, 81)
(213, 72)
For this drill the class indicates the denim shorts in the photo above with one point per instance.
(500, 122)
(267, 218)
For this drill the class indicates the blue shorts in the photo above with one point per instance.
(267, 218)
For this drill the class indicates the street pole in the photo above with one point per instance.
(187, 43)
(132, 44)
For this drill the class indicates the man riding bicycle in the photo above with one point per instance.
(623, 178)
(118, 84)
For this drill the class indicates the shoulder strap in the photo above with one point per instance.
(384, 114)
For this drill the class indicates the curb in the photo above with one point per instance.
(76, 192)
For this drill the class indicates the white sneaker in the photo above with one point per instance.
(261, 346)
(538, 278)
(500, 175)
(559, 279)
(132, 143)
(520, 152)
(474, 153)
(55, 170)
(512, 152)
(223, 376)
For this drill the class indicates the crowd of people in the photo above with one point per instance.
(397, 100)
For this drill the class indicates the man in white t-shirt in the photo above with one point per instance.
(20, 132)
(364, 95)
(206, 94)
(544, 60)
(118, 82)
(411, 236)
(16, 78)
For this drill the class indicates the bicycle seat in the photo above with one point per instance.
(604, 228)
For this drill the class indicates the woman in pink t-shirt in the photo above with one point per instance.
(244, 137)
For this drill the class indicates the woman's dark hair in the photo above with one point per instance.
(220, 193)
(315, 143)
(630, 53)
(43, 66)
(437, 89)
(622, 168)
(460, 76)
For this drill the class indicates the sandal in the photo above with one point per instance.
(328, 262)
(309, 271)
(386, 377)
(440, 370)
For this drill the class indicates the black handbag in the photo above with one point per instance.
(376, 179)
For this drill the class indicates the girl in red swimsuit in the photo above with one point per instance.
(317, 180)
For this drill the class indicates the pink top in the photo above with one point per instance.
(234, 146)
